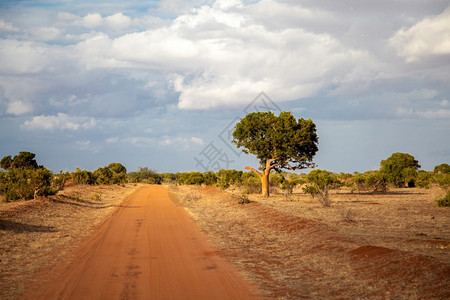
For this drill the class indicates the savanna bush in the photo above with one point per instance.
(442, 169)
(226, 178)
(400, 169)
(210, 178)
(114, 173)
(319, 182)
(290, 182)
(251, 184)
(443, 180)
(424, 179)
(374, 181)
(18, 184)
(82, 177)
(444, 201)
(146, 175)
(190, 178)
(442, 175)
(23, 178)
(59, 180)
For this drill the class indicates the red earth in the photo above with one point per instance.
(148, 249)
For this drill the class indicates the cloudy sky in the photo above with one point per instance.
(160, 83)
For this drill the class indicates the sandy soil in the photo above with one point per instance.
(148, 249)
(394, 245)
(39, 234)
(389, 246)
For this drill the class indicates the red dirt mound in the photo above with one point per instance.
(394, 267)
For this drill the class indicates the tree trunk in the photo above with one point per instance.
(265, 183)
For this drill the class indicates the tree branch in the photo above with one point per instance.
(253, 170)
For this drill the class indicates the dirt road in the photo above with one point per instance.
(149, 249)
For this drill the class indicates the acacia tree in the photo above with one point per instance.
(278, 142)
(400, 168)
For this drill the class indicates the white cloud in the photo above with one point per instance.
(87, 145)
(118, 21)
(18, 57)
(435, 114)
(180, 141)
(227, 4)
(177, 7)
(429, 37)
(60, 121)
(7, 26)
(224, 55)
(197, 141)
(112, 140)
(70, 100)
(96, 21)
(19, 108)
(427, 114)
(92, 20)
(139, 140)
(44, 33)
(67, 18)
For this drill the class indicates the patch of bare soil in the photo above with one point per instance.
(148, 249)
(40, 233)
(393, 245)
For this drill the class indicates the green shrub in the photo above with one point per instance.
(82, 177)
(25, 184)
(400, 169)
(60, 180)
(168, 177)
(442, 169)
(17, 186)
(190, 178)
(24, 178)
(424, 179)
(226, 178)
(443, 180)
(251, 184)
(145, 175)
(319, 183)
(210, 178)
(103, 175)
(288, 185)
(243, 199)
(444, 201)
(114, 173)
(374, 181)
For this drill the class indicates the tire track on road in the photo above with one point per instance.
(149, 249)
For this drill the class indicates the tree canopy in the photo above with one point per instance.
(24, 160)
(400, 168)
(279, 142)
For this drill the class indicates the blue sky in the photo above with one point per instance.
(158, 83)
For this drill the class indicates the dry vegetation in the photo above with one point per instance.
(40, 233)
(393, 245)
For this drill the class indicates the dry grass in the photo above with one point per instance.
(394, 245)
(40, 233)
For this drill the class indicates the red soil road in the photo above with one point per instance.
(149, 249)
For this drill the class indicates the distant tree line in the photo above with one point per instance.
(400, 170)
(23, 179)
(114, 173)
